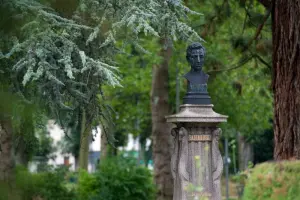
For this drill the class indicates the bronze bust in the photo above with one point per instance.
(197, 79)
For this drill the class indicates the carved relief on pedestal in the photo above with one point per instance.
(174, 158)
(179, 163)
(191, 142)
(217, 164)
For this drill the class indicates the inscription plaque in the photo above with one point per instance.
(199, 138)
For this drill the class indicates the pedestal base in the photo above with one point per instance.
(196, 161)
(197, 98)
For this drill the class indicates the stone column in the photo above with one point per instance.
(196, 161)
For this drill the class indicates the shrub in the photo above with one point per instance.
(117, 179)
(45, 186)
(274, 181)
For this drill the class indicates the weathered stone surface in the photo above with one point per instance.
(197, 113)
(217, 166)
(196, 159)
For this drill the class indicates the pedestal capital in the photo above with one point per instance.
(193, 113)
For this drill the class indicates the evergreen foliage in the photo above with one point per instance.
(60, 58)
(63, 61)
(52, 65)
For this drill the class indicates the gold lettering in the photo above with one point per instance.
(199, 137)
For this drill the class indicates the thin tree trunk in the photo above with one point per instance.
(104, 143)
(21, 156)
(286, 80)
(84, 143)
(245, 154)
(161, 136)
(142, 152)
(76, 160)
(6, 149)
(23, 138)
(84, 150)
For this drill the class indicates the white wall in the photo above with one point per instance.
(57, 134)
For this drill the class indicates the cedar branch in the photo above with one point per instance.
(259, 29)
(238, 65)
(266, 3)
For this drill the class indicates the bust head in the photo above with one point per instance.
(195, 56)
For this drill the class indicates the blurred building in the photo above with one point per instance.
(67, 159)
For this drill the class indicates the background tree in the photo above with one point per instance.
(62, 62)
(6, 158)
(238, 62)
(52, 65)
(60, 54)
(286, 75)
(239, 79)
(285, 48)
(135, 117)
(166, 20)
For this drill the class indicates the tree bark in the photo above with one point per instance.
(245, 154)
(266, 3)
(142, 152)
(84, 143)
(161, 136)
(76, 160)
(286, 80)
(104, 143)
(24, 138)
(21, 156)
(6, 149)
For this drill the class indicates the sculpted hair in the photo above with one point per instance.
(191, 47)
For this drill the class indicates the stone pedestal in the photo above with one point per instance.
(196, 161)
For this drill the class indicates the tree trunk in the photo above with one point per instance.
(6, 149)
(245, 154)
(24, 138)
(84, 143)
(21, 155)
(84, 149)
(104, 143)
(76, 160)
(161, 136)
(286, 80)
(142, 152)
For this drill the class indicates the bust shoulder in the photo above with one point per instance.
(206, 75)
(197, 77)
